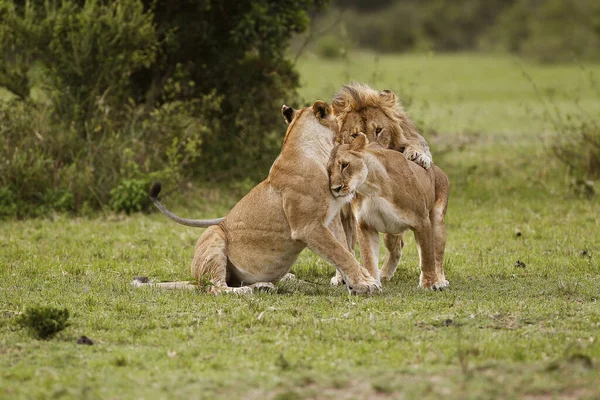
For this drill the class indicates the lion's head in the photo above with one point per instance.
(360, 108)
(346, 168)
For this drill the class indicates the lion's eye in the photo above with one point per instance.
(378, 131)
(344, 165)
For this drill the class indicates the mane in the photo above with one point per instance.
(358, 96)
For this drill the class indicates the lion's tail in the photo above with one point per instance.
(197, 223)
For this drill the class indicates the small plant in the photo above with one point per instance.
(130, 195)
(579, 150)
(330, 47)
(44, 322)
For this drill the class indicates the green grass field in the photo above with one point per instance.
(502, 330)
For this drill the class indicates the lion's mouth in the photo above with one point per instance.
(341, 191)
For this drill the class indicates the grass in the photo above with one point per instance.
(503, 330)
(465, 92)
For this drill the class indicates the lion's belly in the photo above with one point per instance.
(259, 242)
(383, 216)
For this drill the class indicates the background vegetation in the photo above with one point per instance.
(542, 30)
(103, 97)
(99, 98)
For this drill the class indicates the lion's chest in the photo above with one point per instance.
(382, 215)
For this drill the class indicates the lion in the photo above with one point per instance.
(360, 108)
(393, 195)
(258, 241)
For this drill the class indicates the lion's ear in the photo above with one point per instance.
(388, 97)
(338, 106)
(359, 143)
(288, 113)
(322, 110)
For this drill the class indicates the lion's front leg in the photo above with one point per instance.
(417, 150)
(368, 242)
(394, 244)
(415, 153)
(337, 279)
(320, 240)
(344, 229)
(318, 237)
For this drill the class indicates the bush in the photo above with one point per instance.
(83, 53)
(44, 322)
(240, 56)
(390, 30)
(578, 147)
(547, 31)
(330, 47)
(132, 91)
(130, 195)
(49, 167)
(550, 31)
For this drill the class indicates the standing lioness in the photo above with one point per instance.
(393, 195)
(261, 237)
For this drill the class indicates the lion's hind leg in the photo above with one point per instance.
(209, 264)
(437, 217)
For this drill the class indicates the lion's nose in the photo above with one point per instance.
(336, 188)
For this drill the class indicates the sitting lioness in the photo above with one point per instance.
(261, 237)
(393, 195)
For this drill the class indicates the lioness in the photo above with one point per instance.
(393, 195)
(261, 237)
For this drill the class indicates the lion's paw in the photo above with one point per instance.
(337, 280)
(439, 285)
(267, 287)
(386, 277)
(288, 277)
(418, 157)
(367, 286)
(243, 291)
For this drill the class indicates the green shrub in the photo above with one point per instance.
(547, 30)
(8, 201)
(84, 52)
(107, 95)
(330, 47)
(578, 148)
(550, 31)
(48, 166)
(44, 322)
(130, 195)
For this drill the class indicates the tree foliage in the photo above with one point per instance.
(545, 30)
(110, 95)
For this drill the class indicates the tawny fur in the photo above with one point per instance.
(262, 236)
(379, 115)
(392, 196)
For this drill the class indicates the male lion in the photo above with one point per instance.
(359, 108)
(393, 195)
(261, 237)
